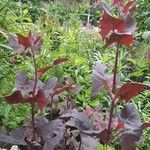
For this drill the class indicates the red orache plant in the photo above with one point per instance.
(30, 91)
(119, 30)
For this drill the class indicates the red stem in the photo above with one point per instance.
(113, 91)
(115, 70)
(33, 94)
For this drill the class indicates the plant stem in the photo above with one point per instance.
(113, 91)
(33, 94)
(115, 70)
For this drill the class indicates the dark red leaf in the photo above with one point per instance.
(15, 98)
(41, 71)
(121, 39)
(40, 99)
(146, 124)
(118, 2)
(129, 90)
(117, 30)
(25, 41)
(109, 24)
(59, 60)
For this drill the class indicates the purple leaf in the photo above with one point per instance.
(133, 130)
(51, 83)
(49, 89)
(101, 134)
(53, 134)
(100, 78)
(75, 90)
(80, 119)
(15, 138)
(25, 85)
(89, 143)
(13, 42)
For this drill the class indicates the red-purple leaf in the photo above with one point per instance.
(21, 43)
(14, 138)
(15, 98)
(40, 99)
(118, 2)
(129, 90)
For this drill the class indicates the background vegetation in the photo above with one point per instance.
(63, 28)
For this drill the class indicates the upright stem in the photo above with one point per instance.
(33, 94)
(113, 91)
(115, 70)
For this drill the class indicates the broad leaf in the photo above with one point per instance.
(117, 29)
(13, 42)
(129, 90)
(14, 138)
(40, 99)
(108, 24)
(25, 85)
(133, 127)
(100, 78)
(121, 39)
(15, 98)
(21, 43)
(89, 143)
(53, 134)
(79, 121)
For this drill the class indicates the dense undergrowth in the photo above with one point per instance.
(64, 33)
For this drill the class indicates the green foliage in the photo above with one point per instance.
(60, 26)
